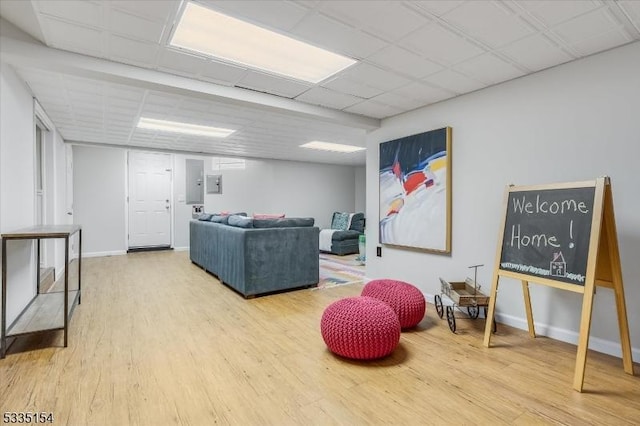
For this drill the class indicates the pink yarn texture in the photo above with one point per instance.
(405, 299)
(360, 328)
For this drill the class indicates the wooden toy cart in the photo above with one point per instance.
(462, 295)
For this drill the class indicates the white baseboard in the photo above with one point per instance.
(569, 336)
(105, 253)
(181, 248)
(595, 343)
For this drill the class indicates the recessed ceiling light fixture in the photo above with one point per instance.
(186, 128)
(206, 31)
(335, 147)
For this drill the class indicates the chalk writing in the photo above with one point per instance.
(547, 232)
(551, 207)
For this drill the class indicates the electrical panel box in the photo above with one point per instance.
(194, 180)
(214, 184)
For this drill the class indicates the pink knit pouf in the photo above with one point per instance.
(405, 299)
(360, 328)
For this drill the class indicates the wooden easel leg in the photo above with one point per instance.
(623, 325)
(489, 320)
(527, 306)
(616, 272)
(583, 341)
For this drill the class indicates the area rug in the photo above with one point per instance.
(339, 270)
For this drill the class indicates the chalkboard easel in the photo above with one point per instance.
(563, 236)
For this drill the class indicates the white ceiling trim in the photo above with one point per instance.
(26, 54)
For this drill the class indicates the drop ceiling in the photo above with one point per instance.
(97, 66)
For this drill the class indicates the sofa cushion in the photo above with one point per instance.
(204, 217)
(357, 222)
(240, 221)
(284, 223)
(345, 235)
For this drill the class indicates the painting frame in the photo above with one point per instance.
(415, 191)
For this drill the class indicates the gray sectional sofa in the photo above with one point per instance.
(347, 241)
(257, 256)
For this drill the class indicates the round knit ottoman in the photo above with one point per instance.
(360, 328)
(405, 299)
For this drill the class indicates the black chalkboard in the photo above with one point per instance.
(547, 233)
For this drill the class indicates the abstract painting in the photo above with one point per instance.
(415, 191)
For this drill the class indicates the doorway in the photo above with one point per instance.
(149, 200)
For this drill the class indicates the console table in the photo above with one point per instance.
(46, 311)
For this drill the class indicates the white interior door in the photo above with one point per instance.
(149, 199)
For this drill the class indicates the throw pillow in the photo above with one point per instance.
(204, 217)
(240, 221)
(268, 216)
(340, 221)
(219, 219)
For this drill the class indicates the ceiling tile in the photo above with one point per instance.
(85, 85)
(552, 12)
(122, 49)
(195, 105)
(404, 62)
(222, 73)
(440, 44)
(399, 101)
(632, 9)
(125, 92)
(272, 14)
(374, 109)
(92, 100)
(586, 26)
(328, 98)
(601, 42)
(157, 10)
(373, 76)
(424, 92)
(329, 34)
(72, 37)
(161, 99)
(178, 62)
(454, 81)
(80, 11)
(536, 53)
(123, 105)
(489, 68)
(487, 22)
(385, 19)
(352, 87)
(272, 84)
(130, 25)
(437, 7)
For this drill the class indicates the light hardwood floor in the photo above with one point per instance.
(158, 341)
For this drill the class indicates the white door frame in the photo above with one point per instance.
(127, 196)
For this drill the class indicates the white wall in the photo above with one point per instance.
(54, 156)
(574, 122)
(264, 186)
(360, 189)
(270, 186)
(58, 192)
(17, 182)
(99, 199)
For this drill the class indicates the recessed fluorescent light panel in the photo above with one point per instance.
(206, 31)
(335, 147)
(186, 128)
